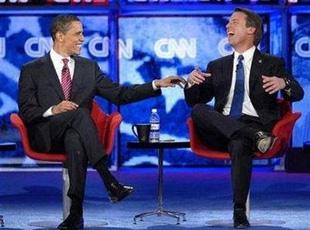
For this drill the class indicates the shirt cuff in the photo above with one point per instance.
(48, 112)
(154, 86)
(188, 85)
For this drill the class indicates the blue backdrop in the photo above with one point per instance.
(149, 46)
(300, 46)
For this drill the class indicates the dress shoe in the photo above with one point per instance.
(240, 219)
(117, 192)
(264, 141)
(72, 222)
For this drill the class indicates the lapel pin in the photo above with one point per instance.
(260, 61)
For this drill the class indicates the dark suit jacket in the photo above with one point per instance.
(39, 89)
(218, 85)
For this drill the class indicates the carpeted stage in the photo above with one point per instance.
(279, 200)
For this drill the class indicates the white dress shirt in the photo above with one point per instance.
(247, 107)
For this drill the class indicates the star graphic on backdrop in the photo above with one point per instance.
(135, 77)
(172, 95)
(8, 104)
(18, 24)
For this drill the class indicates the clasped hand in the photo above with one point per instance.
(64, 106)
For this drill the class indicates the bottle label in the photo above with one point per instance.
(155, 126)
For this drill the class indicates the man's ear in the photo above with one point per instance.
(251, 30)
(59, 36)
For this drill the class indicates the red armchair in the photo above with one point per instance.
(282, 130)
(106, 128)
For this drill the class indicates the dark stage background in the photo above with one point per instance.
(137, 41)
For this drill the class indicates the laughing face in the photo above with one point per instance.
(240, 37)
(70, 42)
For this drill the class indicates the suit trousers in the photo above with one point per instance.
(222, 133)
(76, 134)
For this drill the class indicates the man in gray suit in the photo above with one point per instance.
(245, 87)
(55, 98)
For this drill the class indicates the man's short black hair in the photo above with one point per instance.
(61, 23)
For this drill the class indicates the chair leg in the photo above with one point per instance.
(65, 199)
(1, 221)
(247, 206)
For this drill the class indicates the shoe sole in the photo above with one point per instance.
(115, 200)
(271, 145)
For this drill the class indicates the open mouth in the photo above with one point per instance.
(230, 34)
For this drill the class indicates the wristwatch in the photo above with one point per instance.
(287, 84)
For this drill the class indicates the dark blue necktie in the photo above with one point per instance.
(236, 105)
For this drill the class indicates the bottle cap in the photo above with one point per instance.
(154, 110)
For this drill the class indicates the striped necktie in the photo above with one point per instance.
(66, 82)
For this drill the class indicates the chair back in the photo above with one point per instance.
(282, 130)
(106, 128)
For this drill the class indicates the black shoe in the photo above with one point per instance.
(117, 192)
(72, 222)
(240, 219)
(264, 141)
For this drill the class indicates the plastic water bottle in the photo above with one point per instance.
(155, 126)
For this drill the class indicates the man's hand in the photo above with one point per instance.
(197, 77)
(273, 84)
(64, 106)
(170, 81)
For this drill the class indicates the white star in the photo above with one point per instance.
(8, 104)
(172, 95)
(22, 23)
(130, 66)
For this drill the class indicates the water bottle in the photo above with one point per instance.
(155, 125)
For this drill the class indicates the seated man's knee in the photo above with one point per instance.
(72, 135)
(238, 147)
(82, 113)
(198, 111)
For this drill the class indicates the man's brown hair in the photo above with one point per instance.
(253, 20)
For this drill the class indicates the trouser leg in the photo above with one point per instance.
(208, 119)
(81, 121)
(76, 162)
(84, 129)
(241, 169)
(106, 176)
(235, 136)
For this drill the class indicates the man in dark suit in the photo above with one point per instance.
(55, 98)
(245, 87)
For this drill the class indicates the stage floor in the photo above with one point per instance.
(279, 200)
